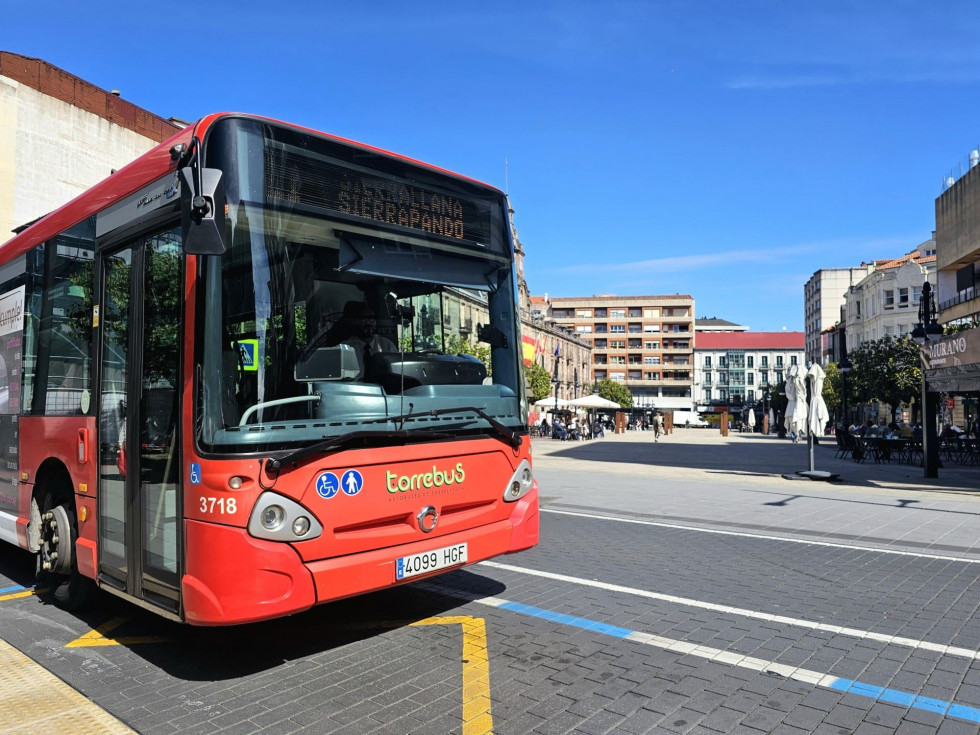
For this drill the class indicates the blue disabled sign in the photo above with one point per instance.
(352, 482)
(327, 485)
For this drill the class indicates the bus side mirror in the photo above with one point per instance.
(202, 208)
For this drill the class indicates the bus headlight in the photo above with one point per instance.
(272, 517)
(277, 518)
(520, 483)
(301, 525)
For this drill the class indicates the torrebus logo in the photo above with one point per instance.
(423, 480)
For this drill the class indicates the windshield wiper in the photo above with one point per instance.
(336, 442)
(508, 435)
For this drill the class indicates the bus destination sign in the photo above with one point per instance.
(388, 201)
(399, 204)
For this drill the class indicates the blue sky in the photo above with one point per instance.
(721, 149)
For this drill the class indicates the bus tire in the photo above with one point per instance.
(56, 562)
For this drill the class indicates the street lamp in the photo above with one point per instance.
(928, 328)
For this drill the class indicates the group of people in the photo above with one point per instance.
(574, 430)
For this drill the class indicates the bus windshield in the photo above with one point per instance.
(356, 288)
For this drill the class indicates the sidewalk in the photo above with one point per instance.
(696, 477)
(691, 452)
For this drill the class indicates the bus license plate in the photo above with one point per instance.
(429, 561)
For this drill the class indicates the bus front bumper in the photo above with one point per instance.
(234, 578)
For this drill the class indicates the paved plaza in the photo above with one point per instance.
(683, 586)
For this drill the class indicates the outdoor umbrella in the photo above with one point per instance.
(796, 402)
(818, 408)
(751, 418)
(550, 403)
(593, 401)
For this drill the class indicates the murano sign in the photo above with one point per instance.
(962, 348)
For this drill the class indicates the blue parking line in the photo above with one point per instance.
(16, 588)
(893, 696)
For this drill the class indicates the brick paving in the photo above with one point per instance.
(358, 667)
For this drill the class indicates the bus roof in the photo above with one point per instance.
(156, 163)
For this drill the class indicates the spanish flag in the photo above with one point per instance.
(528, 346)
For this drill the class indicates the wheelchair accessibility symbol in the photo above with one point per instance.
(327, 485)
(351, 482)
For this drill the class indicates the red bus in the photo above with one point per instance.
(261, 368)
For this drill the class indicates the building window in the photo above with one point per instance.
(600, 374)
(779, 376)
(752, 396)
(617, 328)
(903, 297)
(763, 377)
(779, 362)
(651, 328)
(617, 376)
(765, 361)
(599, 359)
(707, 395)
(750, 378)
(792, 360)
(651, 376)
(583, 314)
(916, 293)
(651, 345)
(600, 328)
(707, 378)
(634, 312)
(600, 344)
(651, 313)
(584, 329)
(707, 361)
(651, 360)
(722, 362)
(751, 361)
(634, 328)
(617, 313)
(617, 344)
(889, 300)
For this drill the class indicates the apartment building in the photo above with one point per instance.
(732, 369)
(644, 342)
(885, 303)
(714, 324)
(823, 296)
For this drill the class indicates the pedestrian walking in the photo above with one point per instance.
(657, 425)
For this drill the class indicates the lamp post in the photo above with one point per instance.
(928, 328)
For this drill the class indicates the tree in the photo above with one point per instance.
(540, 380)
(887, 371)
(832, 388)
(613, 391)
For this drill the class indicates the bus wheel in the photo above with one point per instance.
(57, 567)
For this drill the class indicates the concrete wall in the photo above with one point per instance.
(58, 151)
(59, 135)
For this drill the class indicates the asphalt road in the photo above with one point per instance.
(682, 586)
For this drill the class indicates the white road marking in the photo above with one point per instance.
(754, 614)
(763, 537)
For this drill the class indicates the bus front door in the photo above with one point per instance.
(139, 492)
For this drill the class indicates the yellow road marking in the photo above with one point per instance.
(18, 595)
(477, 719)
(100, 636)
